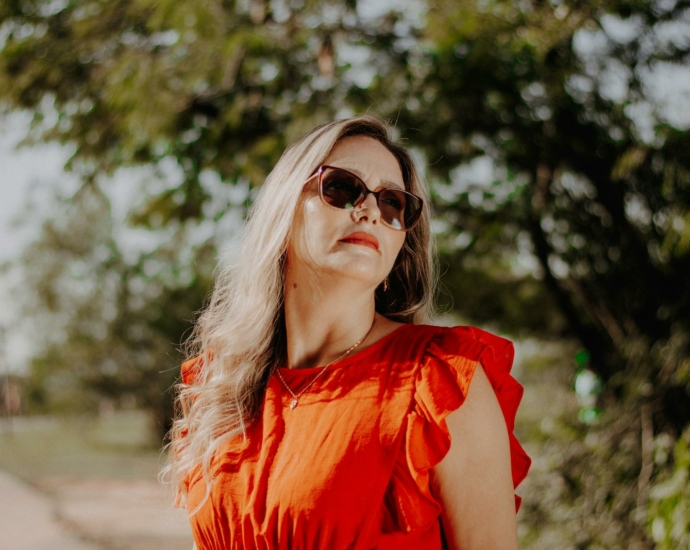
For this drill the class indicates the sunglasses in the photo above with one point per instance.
(344, 190)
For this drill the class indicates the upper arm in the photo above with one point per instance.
(474, 481)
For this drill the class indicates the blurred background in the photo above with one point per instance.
(555, 136)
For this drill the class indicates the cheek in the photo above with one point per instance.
(311, 229)
(317, 223)
(313, 213)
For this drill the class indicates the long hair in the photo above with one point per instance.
(240, 338)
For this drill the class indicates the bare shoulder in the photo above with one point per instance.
(474, 481)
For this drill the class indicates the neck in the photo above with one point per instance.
(324, 316)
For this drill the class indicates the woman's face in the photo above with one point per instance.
(333, 241)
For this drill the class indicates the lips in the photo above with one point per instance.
(363, 239)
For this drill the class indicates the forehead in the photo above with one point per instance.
(368, 158)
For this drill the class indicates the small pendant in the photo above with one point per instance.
(293, 404)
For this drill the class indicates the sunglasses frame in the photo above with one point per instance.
(319, 174)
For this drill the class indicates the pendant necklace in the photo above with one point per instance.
(296, 396)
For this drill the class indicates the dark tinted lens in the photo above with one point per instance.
(393, 205)
(398, 209)
(341, 189)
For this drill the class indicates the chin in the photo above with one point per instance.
(356, 269)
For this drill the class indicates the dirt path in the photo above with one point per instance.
(28, 520)
(72, 514)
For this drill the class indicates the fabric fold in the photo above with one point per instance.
(441, 386)
(191, 369)
(381, 411)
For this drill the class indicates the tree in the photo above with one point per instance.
(218, 88)
(548, 99)
(601, 204)
(215, 84)
(108, 327)
(562, 184)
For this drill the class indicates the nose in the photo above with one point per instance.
(368, 209)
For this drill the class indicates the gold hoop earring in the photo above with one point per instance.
(385, 284)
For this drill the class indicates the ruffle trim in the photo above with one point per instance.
(441, 386)
(191, 370)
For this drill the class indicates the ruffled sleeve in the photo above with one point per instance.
(191, 369)
(441, 385)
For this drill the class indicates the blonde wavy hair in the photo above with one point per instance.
(240, 337)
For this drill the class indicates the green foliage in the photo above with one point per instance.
(489, 295)
(213, 85)
(110, 327)
(583, 489)
(568, 176)
(669, 497)
(562, 189)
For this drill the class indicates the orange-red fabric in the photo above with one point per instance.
(349, 467)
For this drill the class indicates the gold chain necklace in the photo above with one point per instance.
(296, 396)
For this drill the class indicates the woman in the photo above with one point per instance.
(320, 410)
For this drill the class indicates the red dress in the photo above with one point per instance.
(349, 466)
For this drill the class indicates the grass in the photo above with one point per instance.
(118, 447)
